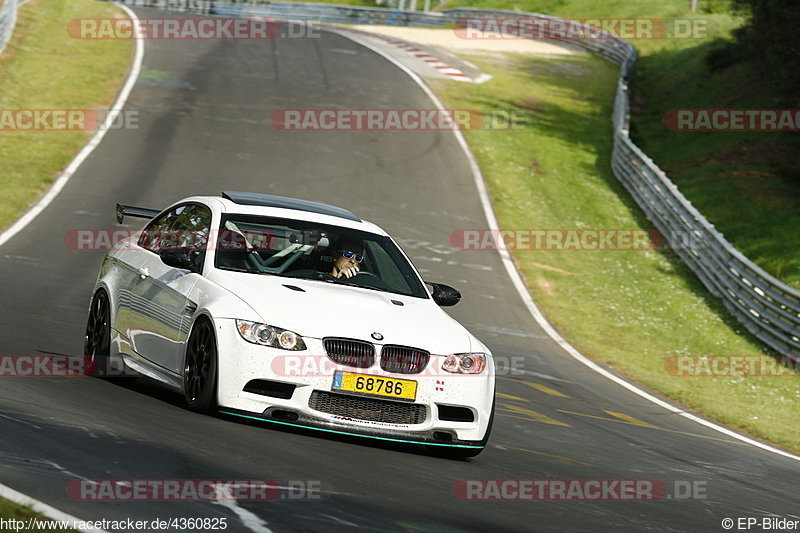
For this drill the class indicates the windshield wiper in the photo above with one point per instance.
(351, 284)
(321, 276)
(302, 275)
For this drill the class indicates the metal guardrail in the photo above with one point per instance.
(303, 11)
(606, 45)
(768, 308)
(8, 19)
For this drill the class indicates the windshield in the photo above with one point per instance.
(307, 250)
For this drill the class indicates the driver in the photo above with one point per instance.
(346, 259)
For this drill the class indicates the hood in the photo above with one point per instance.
(318, 309)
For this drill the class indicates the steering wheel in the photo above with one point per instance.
(365, 273)
(330, 277)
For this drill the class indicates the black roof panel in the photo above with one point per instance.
(269, 200)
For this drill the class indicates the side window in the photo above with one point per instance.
(186, 227)
(191, 228)
(157, 230)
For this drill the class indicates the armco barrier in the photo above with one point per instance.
(305, 11)
(8, 19)
(769, 309)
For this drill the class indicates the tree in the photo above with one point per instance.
(769, 38)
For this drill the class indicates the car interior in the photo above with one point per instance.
(303, 250)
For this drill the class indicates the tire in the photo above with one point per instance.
(97, 339)
(200, 368)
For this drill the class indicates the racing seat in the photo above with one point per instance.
(232, 250)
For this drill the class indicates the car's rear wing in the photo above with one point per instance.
(131, 211)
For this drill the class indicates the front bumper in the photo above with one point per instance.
(310, 370)
(398, 436)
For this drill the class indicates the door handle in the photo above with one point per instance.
(144, 273)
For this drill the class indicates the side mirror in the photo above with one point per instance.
(444, 295)
(179, 259)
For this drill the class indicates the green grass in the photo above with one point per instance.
(44, 68)
(577, 9)
(746, 184)
(739, 181)
(358, 3)
(10, 510)
(630, 309)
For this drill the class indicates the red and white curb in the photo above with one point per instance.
(432, 61)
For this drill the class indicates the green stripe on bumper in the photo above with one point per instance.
(348, 433)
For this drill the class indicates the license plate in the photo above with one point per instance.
(402, 389)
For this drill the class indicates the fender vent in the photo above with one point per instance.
(452, 413)
(275, 389)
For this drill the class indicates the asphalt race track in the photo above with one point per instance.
(204, 126)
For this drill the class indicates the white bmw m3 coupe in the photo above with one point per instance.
(294, 313)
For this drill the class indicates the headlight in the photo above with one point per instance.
(465, 363)
(267, 335)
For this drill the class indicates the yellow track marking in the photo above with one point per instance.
(559, 458)
(546, 389)
(655, 427)
(510, 397)
(530, 414)
(539, 387)
(630, 420)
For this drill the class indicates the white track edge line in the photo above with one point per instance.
(93, 143)
(42, 508)
(5, 491)
(516, 279)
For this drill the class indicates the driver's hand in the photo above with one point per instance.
(349, 272)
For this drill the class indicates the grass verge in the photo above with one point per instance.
(746, 183)
(12, 511)
(629, 309)
(44, 68)
(357, 3)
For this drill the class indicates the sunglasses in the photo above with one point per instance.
(349, 254)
